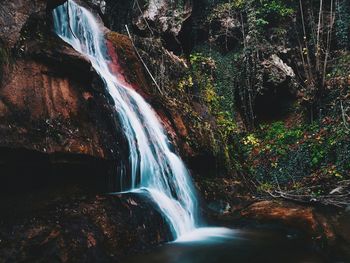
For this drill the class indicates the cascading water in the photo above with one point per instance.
(154, 167)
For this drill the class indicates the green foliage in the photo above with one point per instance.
(269, 13)
(222, 9)
(342, 24)
(265, 187)
(186, 82)
(214, 76)
(275, 7)
(224, 74)
(204, 70)
(227, 125)
(285, 156)
(275, 153)
(342, 66)
(280, 134)
(202, 75)
(266, 11)
(239, 74)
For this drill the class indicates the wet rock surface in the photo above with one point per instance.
(59, 134)
(79, 228)
(227, 202)
(304, 218)
(327, 227)
(51, 100)
(52, 103)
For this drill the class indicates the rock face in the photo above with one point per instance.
(149, 17)
(46, 109)
(14, 15)
(119, 13)
(51, 101)
(277, 71)
(156, 18)
(167, 16)
(60, 145)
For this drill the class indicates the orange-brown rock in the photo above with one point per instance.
(125, 64)
(51, 100)
(44, 109)
(56, 118)
(300, 217)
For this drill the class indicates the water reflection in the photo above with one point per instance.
(236, 246)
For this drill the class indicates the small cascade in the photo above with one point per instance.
(155, 168)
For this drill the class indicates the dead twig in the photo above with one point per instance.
(142, 61)
(339, 198)
(139, 8)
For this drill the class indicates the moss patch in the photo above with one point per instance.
(127, 57)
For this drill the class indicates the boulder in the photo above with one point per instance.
(52, 102)
(303, 218)
(40, 99)
(278, 72)
(86, 228)
(163, 16)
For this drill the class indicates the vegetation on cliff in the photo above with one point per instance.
(275, 75)
(274, 78)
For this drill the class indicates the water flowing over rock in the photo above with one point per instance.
(152, 166)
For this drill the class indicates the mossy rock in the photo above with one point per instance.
(4, 59)
(128, 59)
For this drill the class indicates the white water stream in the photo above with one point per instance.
(155, 168)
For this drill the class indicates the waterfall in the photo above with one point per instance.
(155, 168)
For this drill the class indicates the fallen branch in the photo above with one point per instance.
(339, 198)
